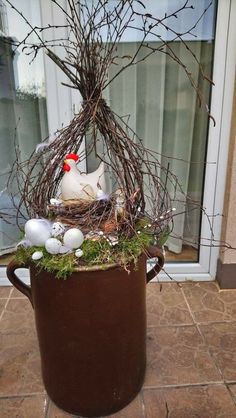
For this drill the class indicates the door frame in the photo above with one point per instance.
(218, 148)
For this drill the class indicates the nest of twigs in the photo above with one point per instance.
(83, 214)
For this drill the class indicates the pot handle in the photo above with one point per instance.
(152, 252)
(14, 279)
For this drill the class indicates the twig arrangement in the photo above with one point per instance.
(93, 30)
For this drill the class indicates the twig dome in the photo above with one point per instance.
(94, 29)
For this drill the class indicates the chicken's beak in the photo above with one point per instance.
(65, 161)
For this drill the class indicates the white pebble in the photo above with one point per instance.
(37, 255)
(79, 253)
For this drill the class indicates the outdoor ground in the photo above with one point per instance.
(191, 356)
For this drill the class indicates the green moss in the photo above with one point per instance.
(61, 265)
(130, 249)
(94, 253)
(97, 252)
(23, 255)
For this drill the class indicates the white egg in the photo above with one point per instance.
(73, 238)
(53, 246)
(57, 229)
(37, 231)
(79, 253)
(37, 255)
(64, 250)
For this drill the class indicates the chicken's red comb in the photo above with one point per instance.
(74, 157)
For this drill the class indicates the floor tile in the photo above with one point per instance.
(178, 355)
(133, 410)
(2, 305)
(166, 307)
(221, 339)
(208, 304)
(30, 407)
(190, 402)
(5, 291)
(55, 412)
(18, 317)
(19, 365)
(232, 389)
(17, 294)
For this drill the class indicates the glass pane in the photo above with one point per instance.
(163, 110)
(23, 115)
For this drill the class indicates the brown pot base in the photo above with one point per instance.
(115, 406)
(92, 334)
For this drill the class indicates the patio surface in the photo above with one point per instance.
(191, 356)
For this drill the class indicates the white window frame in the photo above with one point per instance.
(218, 146)
(3, 7)
(63, 102)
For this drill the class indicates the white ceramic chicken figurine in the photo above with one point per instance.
(76, 185)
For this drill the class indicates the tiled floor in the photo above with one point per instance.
(191, 370)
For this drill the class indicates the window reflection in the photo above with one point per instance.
(23, 115)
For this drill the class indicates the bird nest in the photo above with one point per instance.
(84, 214)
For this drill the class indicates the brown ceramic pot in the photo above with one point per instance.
(92, 333)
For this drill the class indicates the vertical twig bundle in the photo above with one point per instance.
(93, 29)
